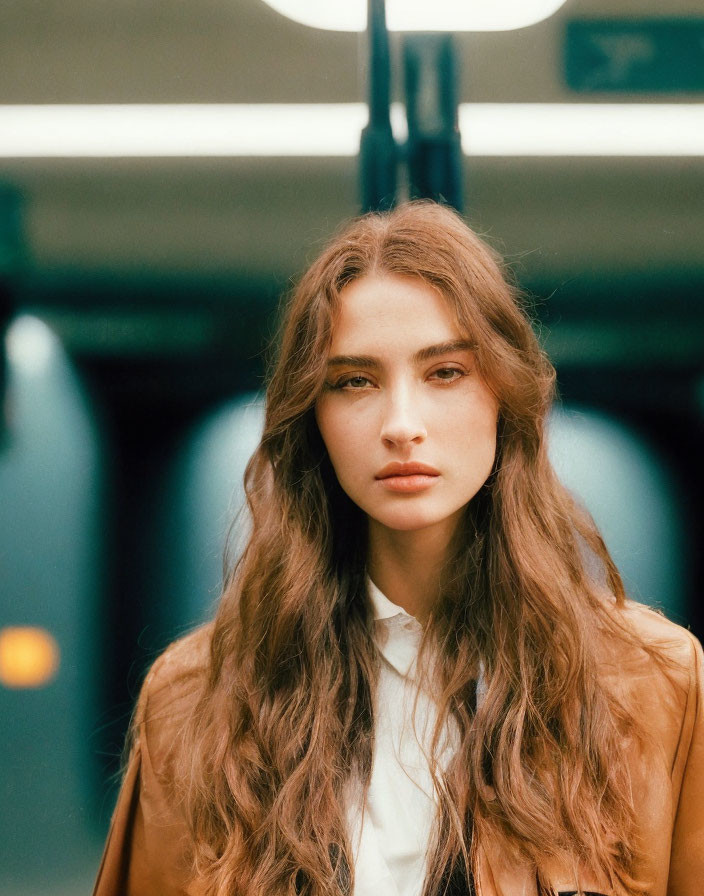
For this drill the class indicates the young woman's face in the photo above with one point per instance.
(408, 423)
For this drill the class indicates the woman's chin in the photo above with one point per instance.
(412, 522)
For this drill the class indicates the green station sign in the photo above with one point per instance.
(635, 55)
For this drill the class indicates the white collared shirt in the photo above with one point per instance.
(391, 832)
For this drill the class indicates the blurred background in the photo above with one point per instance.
(166, 169)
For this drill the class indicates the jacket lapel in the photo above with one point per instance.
(495, 876)
(499, 874)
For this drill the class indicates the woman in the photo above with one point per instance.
(424, 676)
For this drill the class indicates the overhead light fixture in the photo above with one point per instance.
(419, 15)
(333, 130)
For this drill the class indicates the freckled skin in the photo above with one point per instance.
(437, 411)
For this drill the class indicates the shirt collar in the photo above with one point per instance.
(401, 652)
(382, 606)
(397, 633)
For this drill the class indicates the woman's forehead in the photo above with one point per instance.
(388, 309)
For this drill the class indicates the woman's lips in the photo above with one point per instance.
(414, 482)
(408, 477)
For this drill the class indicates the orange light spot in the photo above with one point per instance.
(29, 657)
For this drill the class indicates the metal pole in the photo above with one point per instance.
(377, 154)
(11, 257)
(434, 150)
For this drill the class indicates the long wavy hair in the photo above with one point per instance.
(285, 721)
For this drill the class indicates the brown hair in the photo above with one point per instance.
(286, 718)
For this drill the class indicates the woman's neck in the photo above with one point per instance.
(407, 566)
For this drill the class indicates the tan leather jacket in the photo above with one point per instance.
(148, 840)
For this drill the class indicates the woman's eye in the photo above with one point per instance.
(447, 374)
(352, 382)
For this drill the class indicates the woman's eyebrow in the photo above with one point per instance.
(423, 354)
(444, 348)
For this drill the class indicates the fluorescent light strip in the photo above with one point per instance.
(182, 130)
(582, 129)
(332, 130)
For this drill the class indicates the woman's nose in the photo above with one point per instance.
(402, 421)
